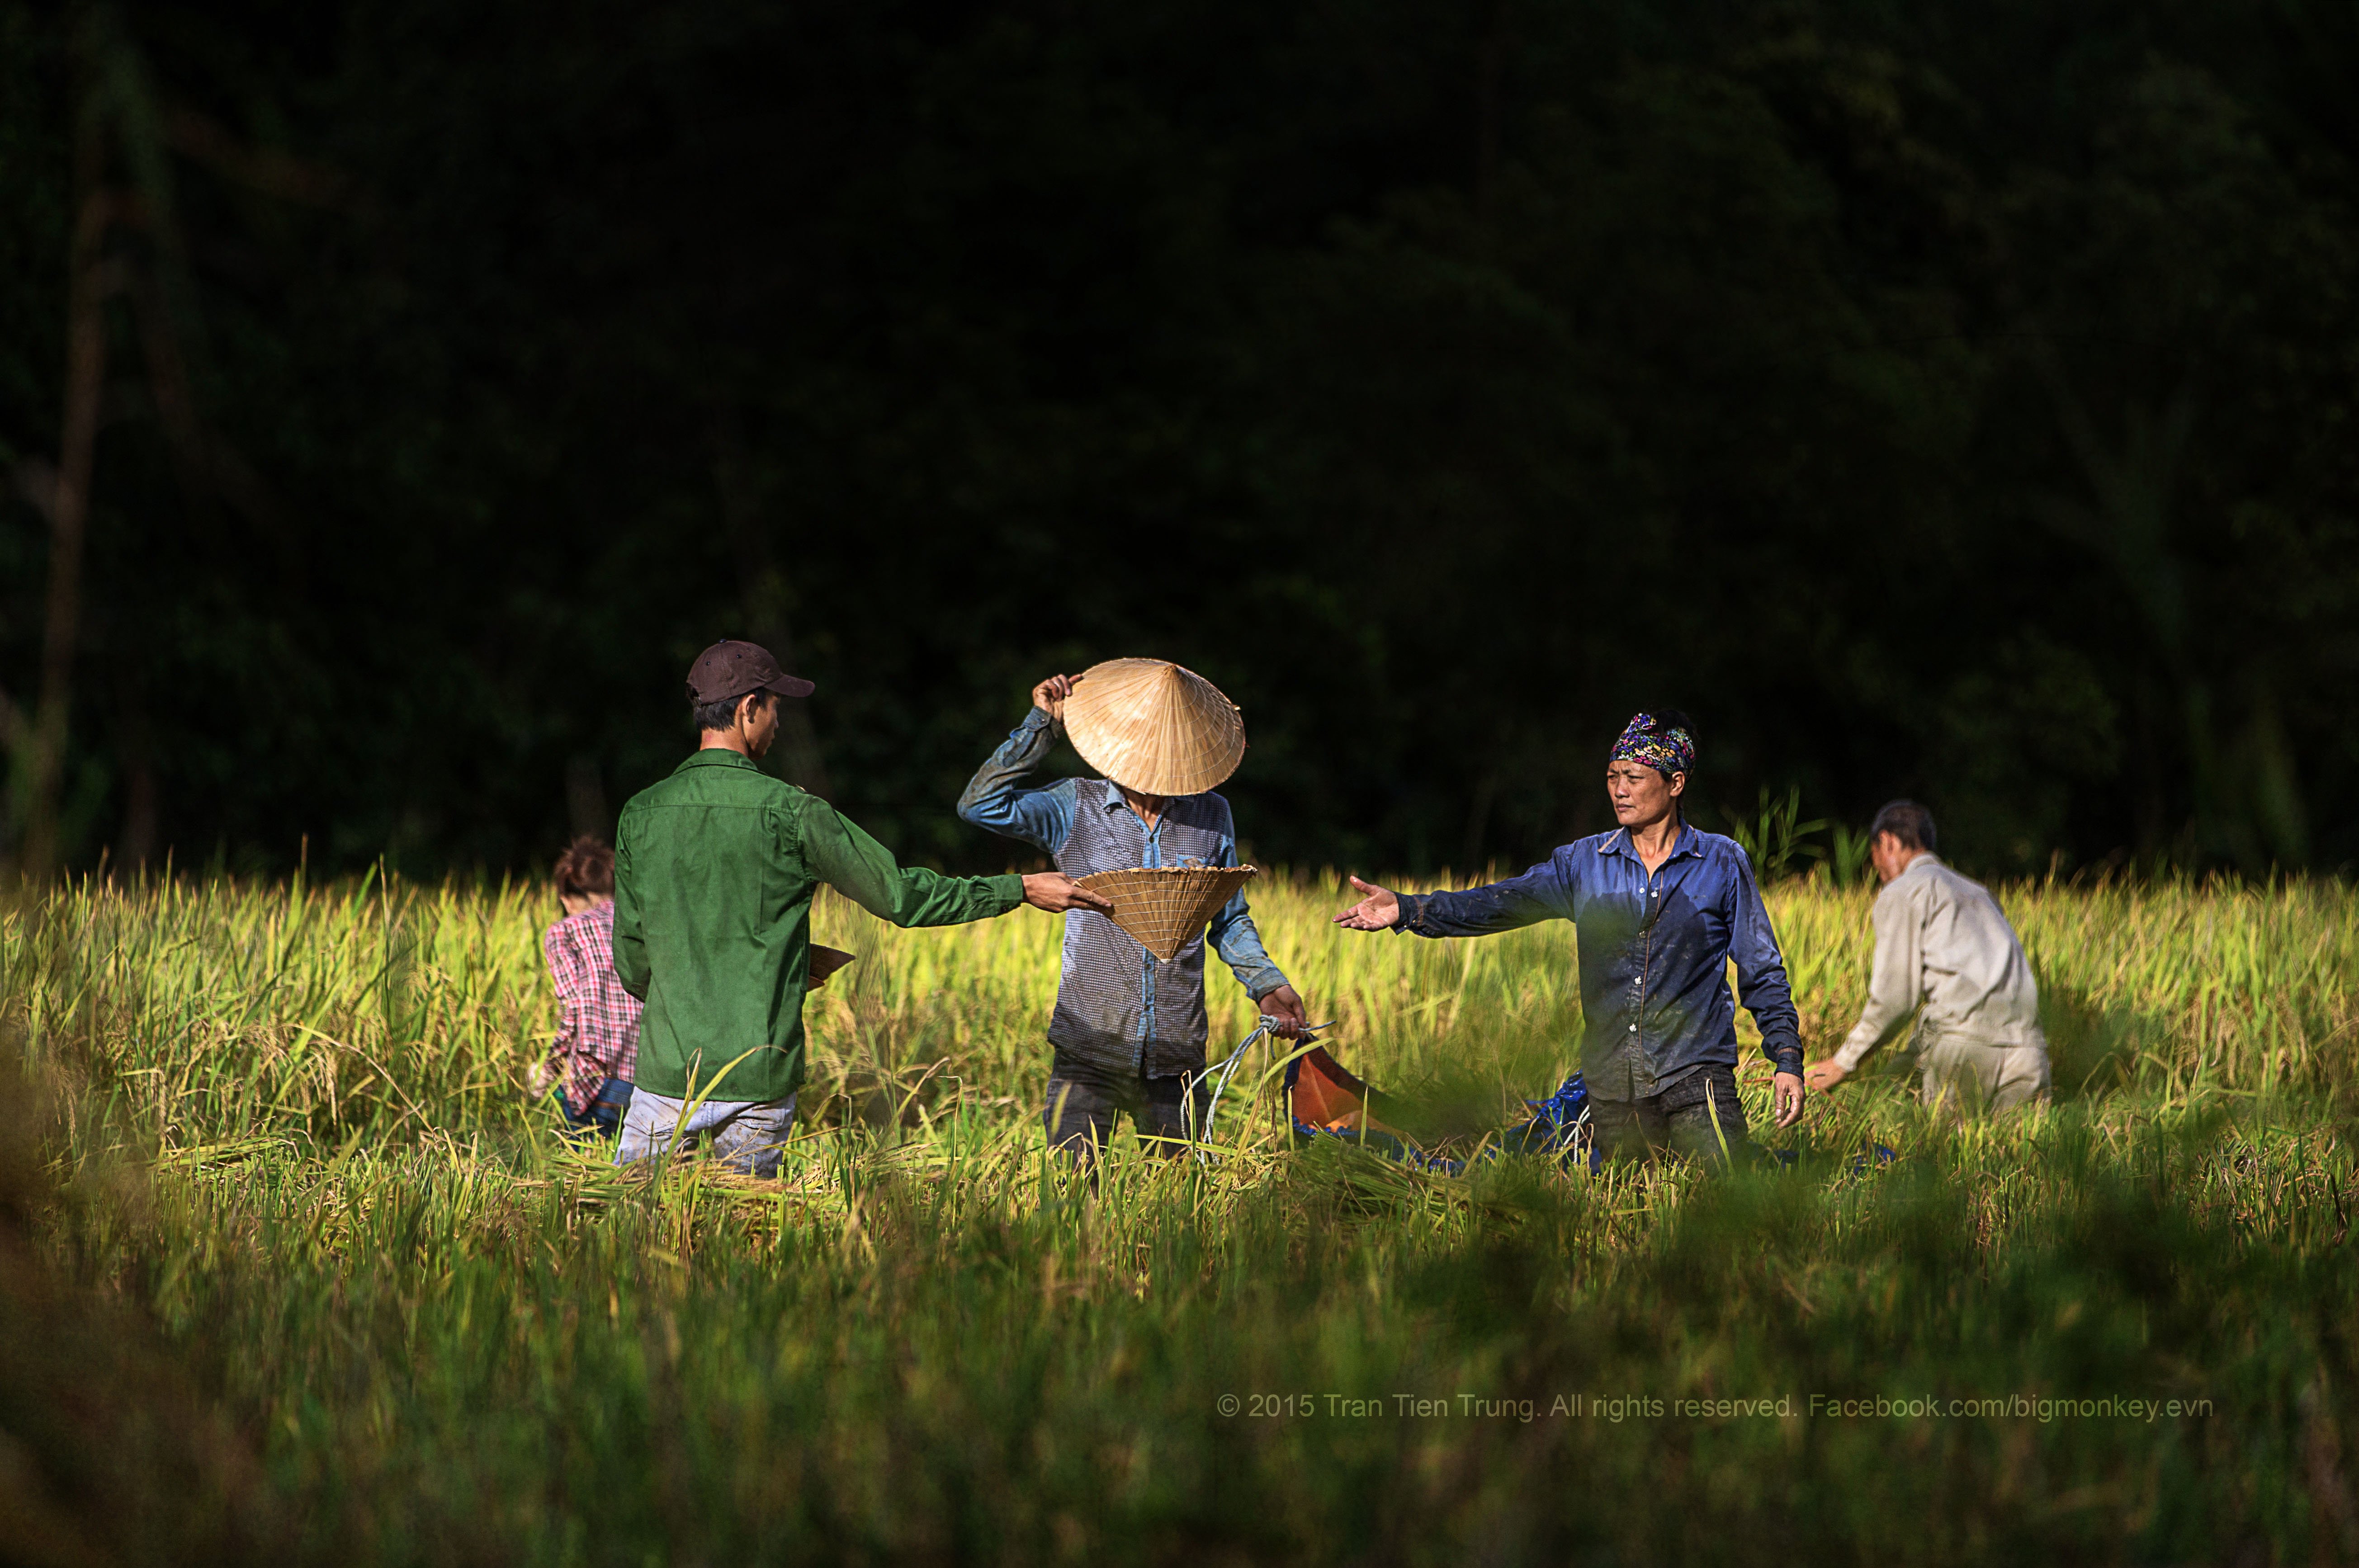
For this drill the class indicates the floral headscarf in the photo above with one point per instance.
(1667, 749)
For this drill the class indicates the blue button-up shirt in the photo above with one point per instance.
(1654, 951)
(1118, 1007)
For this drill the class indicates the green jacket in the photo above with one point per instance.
(714, 870)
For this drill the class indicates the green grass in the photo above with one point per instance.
(292, 1155)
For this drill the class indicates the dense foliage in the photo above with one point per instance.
(1951, 400)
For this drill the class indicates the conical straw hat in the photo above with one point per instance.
(1163, 908)
(1151, 725)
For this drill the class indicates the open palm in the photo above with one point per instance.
(1378, 911)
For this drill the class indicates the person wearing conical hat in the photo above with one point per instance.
(1659, 908)
(1128, 1030)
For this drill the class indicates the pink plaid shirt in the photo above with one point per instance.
(600, 1036)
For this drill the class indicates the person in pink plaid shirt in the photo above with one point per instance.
(597, 1045)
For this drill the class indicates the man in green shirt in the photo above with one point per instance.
(715, 869)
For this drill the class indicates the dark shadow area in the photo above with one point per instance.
(2091, 1053)
(109, 1451)
(1937, 401)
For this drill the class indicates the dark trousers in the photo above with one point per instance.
(1083, 1103)
(602, 1116)
(1694, 1117)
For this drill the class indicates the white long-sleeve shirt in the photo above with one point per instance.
(1940, 941)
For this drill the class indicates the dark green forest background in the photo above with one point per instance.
(1942, 398)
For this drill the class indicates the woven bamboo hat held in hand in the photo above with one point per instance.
(1150, 725)
(1167, 907)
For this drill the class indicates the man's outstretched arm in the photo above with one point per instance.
(1538, 894)
(864, 871)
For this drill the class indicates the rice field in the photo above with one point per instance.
(301, 1272)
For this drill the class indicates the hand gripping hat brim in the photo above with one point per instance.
(731, 668)
(1155, 728)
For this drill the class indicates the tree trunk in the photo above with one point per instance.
(69, 508)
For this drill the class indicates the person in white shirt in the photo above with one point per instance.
(1945, 952)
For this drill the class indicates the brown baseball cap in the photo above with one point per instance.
(731, 668)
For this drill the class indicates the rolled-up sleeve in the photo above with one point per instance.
(1239, 941)
(994, 798)
(1761, 982)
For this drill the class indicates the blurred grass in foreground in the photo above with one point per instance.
(290, 1133)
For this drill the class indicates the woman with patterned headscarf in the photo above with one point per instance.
(1661, 908)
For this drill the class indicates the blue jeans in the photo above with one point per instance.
(602, 1116)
